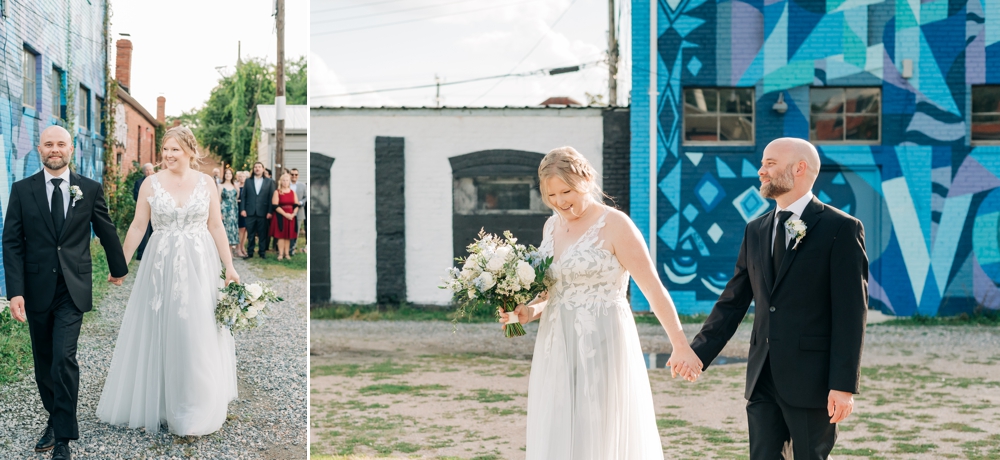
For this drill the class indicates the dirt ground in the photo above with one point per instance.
(424, 390)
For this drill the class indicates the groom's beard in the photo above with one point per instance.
(779, 185)
(54, 164)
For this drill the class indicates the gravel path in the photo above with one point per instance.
(403, 389)
(268, 421)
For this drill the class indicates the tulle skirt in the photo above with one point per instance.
(172, 364)
(588, 392)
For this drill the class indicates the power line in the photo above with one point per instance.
(532, 50)
(354, 6)
(384, 13)
(549, 71)
(314, 34)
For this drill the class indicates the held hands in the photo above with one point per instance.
(17, 308)
(839, 405)
(115, 281)
(243, 213)
(684, 362)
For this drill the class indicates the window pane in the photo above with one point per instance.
(500, 195)
(699, 100)
(986, 99)
(826, 100)
(862, 128)
(986, 127)
(862, 100)
(736, 100)
(81, 108)
(826, 128)
(700, 129)
(736, 129)
(29, 90)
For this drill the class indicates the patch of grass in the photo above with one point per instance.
(662, 423)
(296, 266)
(487, 396)
(395, 389)
(862, 452)
(381, 370)
(714, 436)
(913, 448)
(980, 316)
(961, 427)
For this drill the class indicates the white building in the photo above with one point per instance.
(409, 187)
(296, 129)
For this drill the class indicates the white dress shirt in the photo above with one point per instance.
(797, 208)
(256, 183)
(64, 187)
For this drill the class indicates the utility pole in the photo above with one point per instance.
(437, 97)
(612, 57)
(279, 93)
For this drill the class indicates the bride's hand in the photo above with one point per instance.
(115, 281)
(684, 362)
(232, 276)
(521, 312)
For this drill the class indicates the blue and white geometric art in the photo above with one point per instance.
(750, 204)
(709, 192)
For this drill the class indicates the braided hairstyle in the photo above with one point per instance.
(572, 168)
(187, 141)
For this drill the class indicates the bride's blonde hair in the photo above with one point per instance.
(187, 141)
(572, 168)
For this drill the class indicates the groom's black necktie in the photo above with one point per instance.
(780, 241)
(58, 213)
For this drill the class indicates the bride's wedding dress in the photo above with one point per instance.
(172, 364)
(588, 392)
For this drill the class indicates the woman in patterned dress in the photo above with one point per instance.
(228, 192)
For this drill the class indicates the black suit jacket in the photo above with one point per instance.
(809, 317)
(257, 204)
(33, 254)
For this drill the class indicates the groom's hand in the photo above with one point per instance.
(839, 405)
(17, 308)
(115, 281)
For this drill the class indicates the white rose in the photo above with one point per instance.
(470, 263)
(251, 312)
(496, 263)
(503, 252)
(254, 290)
(525, 273)
(486, 281)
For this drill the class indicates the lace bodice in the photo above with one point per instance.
(188, 218)
(585, 275)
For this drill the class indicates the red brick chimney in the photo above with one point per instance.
(161, 115)
(123, 63)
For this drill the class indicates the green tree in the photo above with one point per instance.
(296, 81)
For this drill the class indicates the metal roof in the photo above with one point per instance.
(296, 117)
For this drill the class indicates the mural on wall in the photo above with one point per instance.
(930, 202)
(80, 54)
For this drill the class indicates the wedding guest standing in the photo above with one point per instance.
(283, 227)
(300, 216)
(241, 221)
(228, 193)
(255, 205)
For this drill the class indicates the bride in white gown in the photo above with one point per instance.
(172, 364)
(588, 392)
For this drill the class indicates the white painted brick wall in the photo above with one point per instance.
(431, 138)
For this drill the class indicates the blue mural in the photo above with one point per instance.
(64, 35)
(929, 198)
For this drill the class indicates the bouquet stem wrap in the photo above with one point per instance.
(513, 328)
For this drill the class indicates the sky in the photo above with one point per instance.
(365, 45)
(178, 45)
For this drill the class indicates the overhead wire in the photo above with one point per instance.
(354, 6)
(385, 13)
(532, 50)
(375, 26)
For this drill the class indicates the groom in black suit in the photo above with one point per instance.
(810, 289)
(256, 207)
(46, 257)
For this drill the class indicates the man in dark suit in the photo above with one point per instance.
(147, 170)
(46, 256)
(804, 266)
(256, 207)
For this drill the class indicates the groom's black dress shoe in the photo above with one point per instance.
(61, 452)
(47, 441)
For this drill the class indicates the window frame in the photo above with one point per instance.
(84, 111)
(718, 117)
(973, 113)
(843, 117)
(59, 109)
(34, 76)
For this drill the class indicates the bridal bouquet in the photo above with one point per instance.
(498, 274)
(244, 306)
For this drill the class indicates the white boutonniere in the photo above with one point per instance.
(75, 193)
(798, 229)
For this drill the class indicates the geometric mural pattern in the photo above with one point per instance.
(79, 52)
(929, 200)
